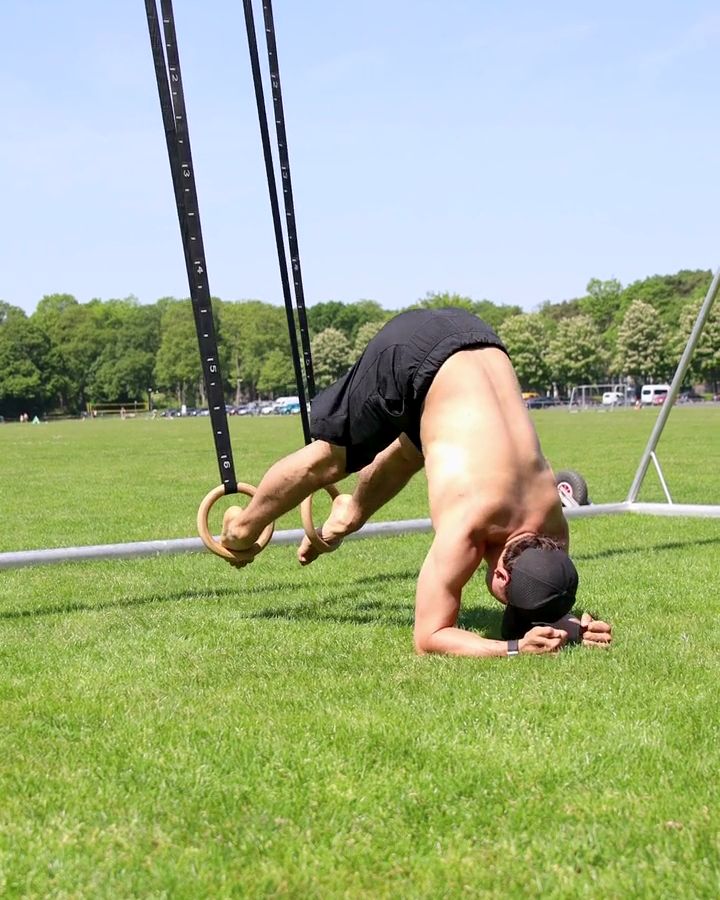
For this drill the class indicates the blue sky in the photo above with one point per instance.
(502, 150)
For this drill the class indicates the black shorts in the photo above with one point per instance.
(381, 396)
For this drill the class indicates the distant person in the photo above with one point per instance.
(435, 388)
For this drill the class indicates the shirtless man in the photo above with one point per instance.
(436, 388)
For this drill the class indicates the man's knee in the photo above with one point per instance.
(327, 463)
(410, 453)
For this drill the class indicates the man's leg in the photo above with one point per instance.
(286, 484)
(378, 483)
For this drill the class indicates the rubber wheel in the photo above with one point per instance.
(573, 484)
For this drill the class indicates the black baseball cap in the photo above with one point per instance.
(542, 589)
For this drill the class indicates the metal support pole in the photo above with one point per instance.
(666, 408)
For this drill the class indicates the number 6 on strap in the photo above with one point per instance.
(314, 536)
(209, 540)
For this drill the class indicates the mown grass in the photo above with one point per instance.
(172, 727)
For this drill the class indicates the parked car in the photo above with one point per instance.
(690, 396)
(541, 402)
(613, 398)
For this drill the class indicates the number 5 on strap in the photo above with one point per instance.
(314, 536)
(209, 540)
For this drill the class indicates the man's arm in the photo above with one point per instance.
(454, 556)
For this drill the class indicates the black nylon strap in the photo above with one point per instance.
(288, 200)
(172, 104)
(278, 229)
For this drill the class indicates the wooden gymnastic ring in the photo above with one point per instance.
(217, 548)
(313, 535)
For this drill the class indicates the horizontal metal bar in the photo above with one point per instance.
(595, 509)
(21, 558)
(691, 510)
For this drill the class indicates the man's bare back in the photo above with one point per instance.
(482, 455)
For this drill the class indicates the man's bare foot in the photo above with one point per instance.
(339, 524)
(235, 537)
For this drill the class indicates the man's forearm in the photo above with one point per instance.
(458, 642)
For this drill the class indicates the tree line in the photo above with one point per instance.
(66, 354)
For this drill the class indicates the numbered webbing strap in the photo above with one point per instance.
(172, 105)
(278, 230)
(288, 200)
(277, 222)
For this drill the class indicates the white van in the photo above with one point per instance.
(613, 398)
(651, 393)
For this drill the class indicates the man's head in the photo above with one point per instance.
(536, 580)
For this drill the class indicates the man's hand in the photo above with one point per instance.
(543, 639)
(594, 632)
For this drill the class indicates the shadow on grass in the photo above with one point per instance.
(288, 612)
(644, 548)
(129, 602)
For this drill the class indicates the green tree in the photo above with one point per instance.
(603, 302)
(575, 353)
(705, 361)
(47, 317)
(668, 294)
(52, 307)
(177, 365)
(443, 299)
(77, 336)
(277, 376)
(490, 312)
(332, 356)
(494, 314)
(364, 335)
(642, 344)
(23, 358)
(556, 312)
(345, 317)
(125, 367)
(250, 331)
(527, 338)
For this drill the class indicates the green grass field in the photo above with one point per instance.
(172, 727)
